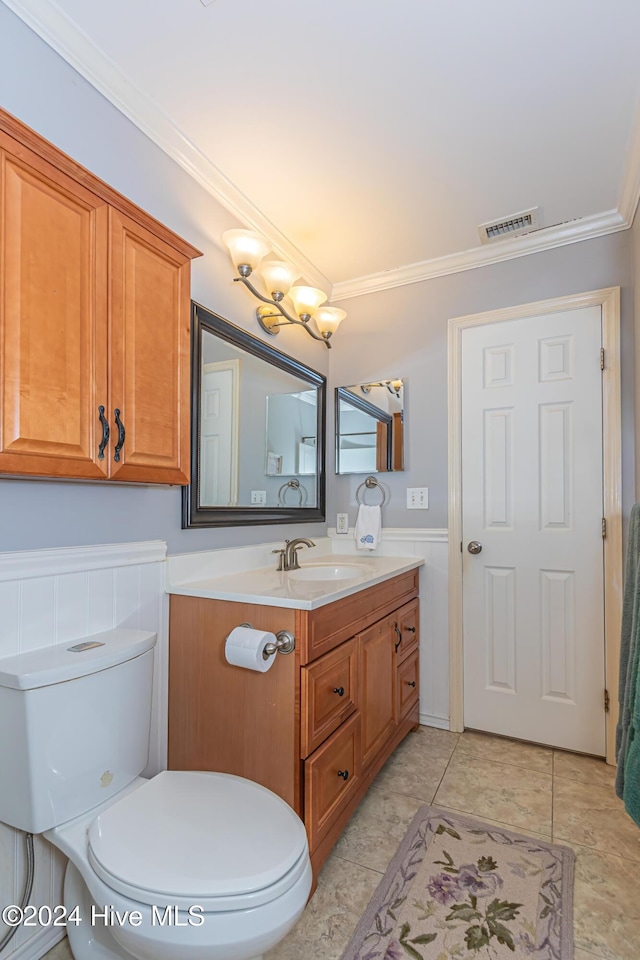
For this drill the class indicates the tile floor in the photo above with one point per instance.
(539, 791)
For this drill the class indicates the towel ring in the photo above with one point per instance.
(293, 485)
(369, 484)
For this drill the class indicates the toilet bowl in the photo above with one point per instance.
(185, 866)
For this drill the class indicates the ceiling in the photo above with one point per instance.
(363, 137)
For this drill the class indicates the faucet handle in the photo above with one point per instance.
(280, 566)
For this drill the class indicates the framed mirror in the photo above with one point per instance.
(257, 431)
(370, 427)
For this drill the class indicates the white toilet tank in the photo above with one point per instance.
(74, 726)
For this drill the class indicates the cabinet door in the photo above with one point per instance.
(377, 686)
(330, 779)
(53, 320)
(407, 686)
(149, 378)
(329, 694)
(407, 632)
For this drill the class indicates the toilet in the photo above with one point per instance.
(188, 865)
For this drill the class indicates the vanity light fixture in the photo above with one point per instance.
(247, 251)
(393, 386)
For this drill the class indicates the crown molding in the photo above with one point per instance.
(630, 189)
(74, 46)
(548, 238)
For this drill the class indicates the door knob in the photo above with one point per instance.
(474, 546)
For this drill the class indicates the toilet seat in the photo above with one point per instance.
(211, 839)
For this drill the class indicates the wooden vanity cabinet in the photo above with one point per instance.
(94, 313)
(319, 725)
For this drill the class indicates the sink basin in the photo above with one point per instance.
(327, 571)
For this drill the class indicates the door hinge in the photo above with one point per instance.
(604, 527)
(607, 701)
(461, 546)
(602, 358)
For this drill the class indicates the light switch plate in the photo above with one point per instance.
(259, 496)
(417, 498)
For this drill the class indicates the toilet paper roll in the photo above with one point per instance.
(244, 646)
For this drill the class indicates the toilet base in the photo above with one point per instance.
(87, 941)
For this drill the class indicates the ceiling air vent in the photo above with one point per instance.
(512, 226)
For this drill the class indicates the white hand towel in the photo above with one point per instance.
(368, 527)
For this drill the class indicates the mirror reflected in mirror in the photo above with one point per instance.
(258, 420)
(370, 427)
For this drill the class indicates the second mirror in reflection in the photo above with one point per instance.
(370, 427)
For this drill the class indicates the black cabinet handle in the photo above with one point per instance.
(344, 774)
(411, 683)
(121, 435)
(411, 629)
(339, 691)
(105, 432)
(399, 633)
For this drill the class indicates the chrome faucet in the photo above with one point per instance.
(288, 555)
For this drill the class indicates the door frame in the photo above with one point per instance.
(609, 300)
(219, 366)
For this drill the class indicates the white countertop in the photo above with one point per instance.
(266, 586)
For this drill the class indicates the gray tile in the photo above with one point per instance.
(61, 951)
(592, 815)
(504, 826)
(606, 905)
(574, 766)
(508, 794)
(375, 830)
(417, 765)
(325, 928)
(485, 746)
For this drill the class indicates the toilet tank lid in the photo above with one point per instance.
(73, 659)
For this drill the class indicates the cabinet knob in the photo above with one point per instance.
(344, 774)
(411, 683)
(411, 629)
(339, 691)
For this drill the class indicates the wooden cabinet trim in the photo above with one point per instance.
(25, 136)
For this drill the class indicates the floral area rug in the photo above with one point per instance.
(460, 889)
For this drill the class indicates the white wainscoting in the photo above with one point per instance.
(433, 546)
(51, 596)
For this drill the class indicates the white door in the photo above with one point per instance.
(532, 493)
(219, 434)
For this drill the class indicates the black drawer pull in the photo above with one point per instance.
(411, 629)
(339, 691)
(398, 632)
(344, 774)
(121, 435)
(105, 432)
(411, 683)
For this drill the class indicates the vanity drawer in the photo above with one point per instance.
(407, 690)
(330, 778)
(329, 691)
(408, 632)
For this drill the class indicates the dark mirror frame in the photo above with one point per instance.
(359, 403)
(194, 515)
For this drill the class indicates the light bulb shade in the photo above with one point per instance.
(328, 319)
(278, 276)
(306, 299)
(246, 247)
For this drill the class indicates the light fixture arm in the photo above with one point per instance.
(262, 316)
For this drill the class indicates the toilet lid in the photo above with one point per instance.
(196, 836)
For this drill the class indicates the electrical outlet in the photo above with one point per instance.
(342, 523)
(259, 496)
(417, 498)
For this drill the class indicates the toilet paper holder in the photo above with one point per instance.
(285, 642)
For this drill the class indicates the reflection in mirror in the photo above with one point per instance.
(370, 427)
(257, 431)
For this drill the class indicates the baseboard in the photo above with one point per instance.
(36, 947)
(428, 720)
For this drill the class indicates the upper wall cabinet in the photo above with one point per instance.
(94, 325)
